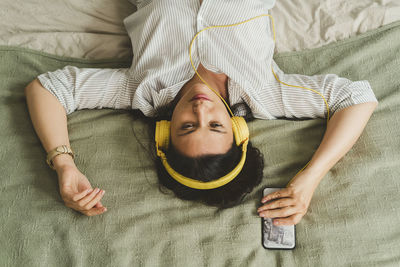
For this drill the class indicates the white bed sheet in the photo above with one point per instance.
(95, 29)
(313, 23)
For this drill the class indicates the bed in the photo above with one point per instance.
(353, 218)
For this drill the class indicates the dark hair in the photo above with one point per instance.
(211, 167)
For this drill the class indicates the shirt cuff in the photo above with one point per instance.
(359, 92)
(47, 80)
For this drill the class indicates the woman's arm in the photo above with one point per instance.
(50, 122)
(342, 132)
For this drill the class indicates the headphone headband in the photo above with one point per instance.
(196, 184)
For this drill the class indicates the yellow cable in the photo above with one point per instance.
(273, 29)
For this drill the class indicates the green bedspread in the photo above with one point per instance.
(353, 218)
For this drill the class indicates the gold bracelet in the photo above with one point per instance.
(57, 151)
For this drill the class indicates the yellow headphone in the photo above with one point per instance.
(162, 136)
(239, 126)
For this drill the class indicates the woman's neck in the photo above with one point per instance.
(218, 82)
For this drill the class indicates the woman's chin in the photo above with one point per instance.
(200, 89)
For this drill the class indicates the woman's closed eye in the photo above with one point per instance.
(187, 126)
(215, 124)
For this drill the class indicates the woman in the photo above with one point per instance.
(235, 61)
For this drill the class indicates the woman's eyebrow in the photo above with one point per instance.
(213, 130)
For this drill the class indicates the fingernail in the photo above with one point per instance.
(102, 192)
(105, 209)
(97, 190)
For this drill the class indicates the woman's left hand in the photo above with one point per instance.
(291, 203)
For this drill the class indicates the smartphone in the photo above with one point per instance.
(276, 237)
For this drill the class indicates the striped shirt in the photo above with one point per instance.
(161, 32)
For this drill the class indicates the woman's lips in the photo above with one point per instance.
(200, 96)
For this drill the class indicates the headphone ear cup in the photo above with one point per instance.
(162, 134)
(240, 130)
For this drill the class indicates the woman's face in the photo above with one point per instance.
(200, 122)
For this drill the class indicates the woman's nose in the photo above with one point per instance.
(199, 106)
(200, 110)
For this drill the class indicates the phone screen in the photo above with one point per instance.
(277, 237)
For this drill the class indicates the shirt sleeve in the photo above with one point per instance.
(292, 102)
(89, 88)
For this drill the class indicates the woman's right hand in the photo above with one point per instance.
(77, 193)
